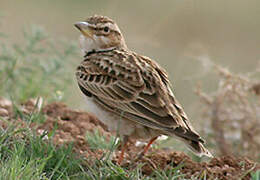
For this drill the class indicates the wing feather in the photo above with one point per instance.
(133, 85)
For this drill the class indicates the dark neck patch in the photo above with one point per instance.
(100, 51)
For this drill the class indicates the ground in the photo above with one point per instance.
(72, 126)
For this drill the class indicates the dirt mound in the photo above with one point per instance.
(72, 125)
(218, 168)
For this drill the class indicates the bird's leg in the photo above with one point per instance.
(147, 147)
(123, 148)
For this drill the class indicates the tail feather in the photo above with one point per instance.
(193, 140)
(198, 148)
(187, 134)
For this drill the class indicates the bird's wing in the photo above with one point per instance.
(133, 86)
(185, 130)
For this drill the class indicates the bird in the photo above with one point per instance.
(130, 93)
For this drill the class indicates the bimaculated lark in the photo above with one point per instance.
(128, 92)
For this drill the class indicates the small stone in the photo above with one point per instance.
(5, 103)
(3, 112)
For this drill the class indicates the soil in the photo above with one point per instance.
(72, 125)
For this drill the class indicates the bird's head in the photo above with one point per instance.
(99, 33)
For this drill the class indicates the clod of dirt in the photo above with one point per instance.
(5, 103)
(32, 105)
(72, 127)
(3, 112)
(5, 107)
(256, 88)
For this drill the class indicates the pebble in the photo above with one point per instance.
(3, 112)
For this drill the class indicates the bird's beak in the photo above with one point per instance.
(85, 28)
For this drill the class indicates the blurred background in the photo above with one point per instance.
(186, 37)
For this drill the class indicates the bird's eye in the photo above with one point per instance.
(106, 29)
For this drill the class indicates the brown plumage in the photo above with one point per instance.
(132, 91)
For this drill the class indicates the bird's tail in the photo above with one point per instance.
(198, 148)
(193, 141)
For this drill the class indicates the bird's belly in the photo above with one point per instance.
(115, 123)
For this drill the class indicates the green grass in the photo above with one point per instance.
(97, 141)
(256, 175)
(26, 155)
(37, 67)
